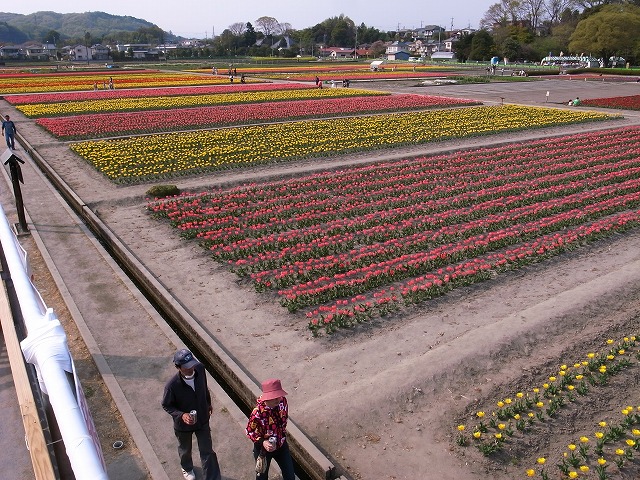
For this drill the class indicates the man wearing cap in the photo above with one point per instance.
(185, 392)
(267, 429)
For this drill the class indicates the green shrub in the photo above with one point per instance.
(161, 191)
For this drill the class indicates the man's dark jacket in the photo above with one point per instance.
(180, 398)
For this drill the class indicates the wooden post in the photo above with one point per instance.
(40, 458)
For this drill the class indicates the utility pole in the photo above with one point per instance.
(355, 50)
(87, 41)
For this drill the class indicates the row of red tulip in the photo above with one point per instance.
(149, 121)
(359, 308)
(358, 280)
(29, 99)
(296, 269)
(630, 102)
(285, 241)
(420, 225)
(424, 174)
(366, 203)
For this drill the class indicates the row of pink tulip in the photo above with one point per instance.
(390, 234)
(402, 242)
(358, 308)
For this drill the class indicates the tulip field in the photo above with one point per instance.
(182, 101)
(78, 127)
(357, 259)
(346, 246)
(631, 102)
(78, 96)
(158, 156)
(58, 82)
(338, 71)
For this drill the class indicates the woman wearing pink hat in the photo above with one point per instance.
(267, 429)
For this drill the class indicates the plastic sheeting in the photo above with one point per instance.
(46, 348)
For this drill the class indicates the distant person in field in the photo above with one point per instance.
(9, 130)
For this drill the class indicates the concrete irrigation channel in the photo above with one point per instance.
(180, 326)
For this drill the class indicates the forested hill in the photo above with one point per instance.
(40, 26)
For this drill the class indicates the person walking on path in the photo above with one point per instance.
(187, 393)
(9, 130)
(267, 429)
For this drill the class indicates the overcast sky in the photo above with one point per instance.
(199, 18)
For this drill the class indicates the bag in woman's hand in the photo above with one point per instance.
(261, 464)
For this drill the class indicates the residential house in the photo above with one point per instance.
(51, 49)
(398, 51)
(100, 52)
(428, 32)
(401, 55)
(167, 47)
(455, 36)
(425, 48)
(137, 51)
(397, 46)
(36, 53)
(11, 53)
(80, 53)
(363, 51)
(335, 53)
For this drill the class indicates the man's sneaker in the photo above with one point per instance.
(188, 475)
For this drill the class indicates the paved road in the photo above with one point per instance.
(528, 93)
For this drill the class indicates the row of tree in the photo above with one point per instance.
(268, 34)
(514, 29)
(531, 29)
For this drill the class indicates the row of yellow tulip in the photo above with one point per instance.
(558, 398)
(146, 157)
(88, 81)
(158, 103)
